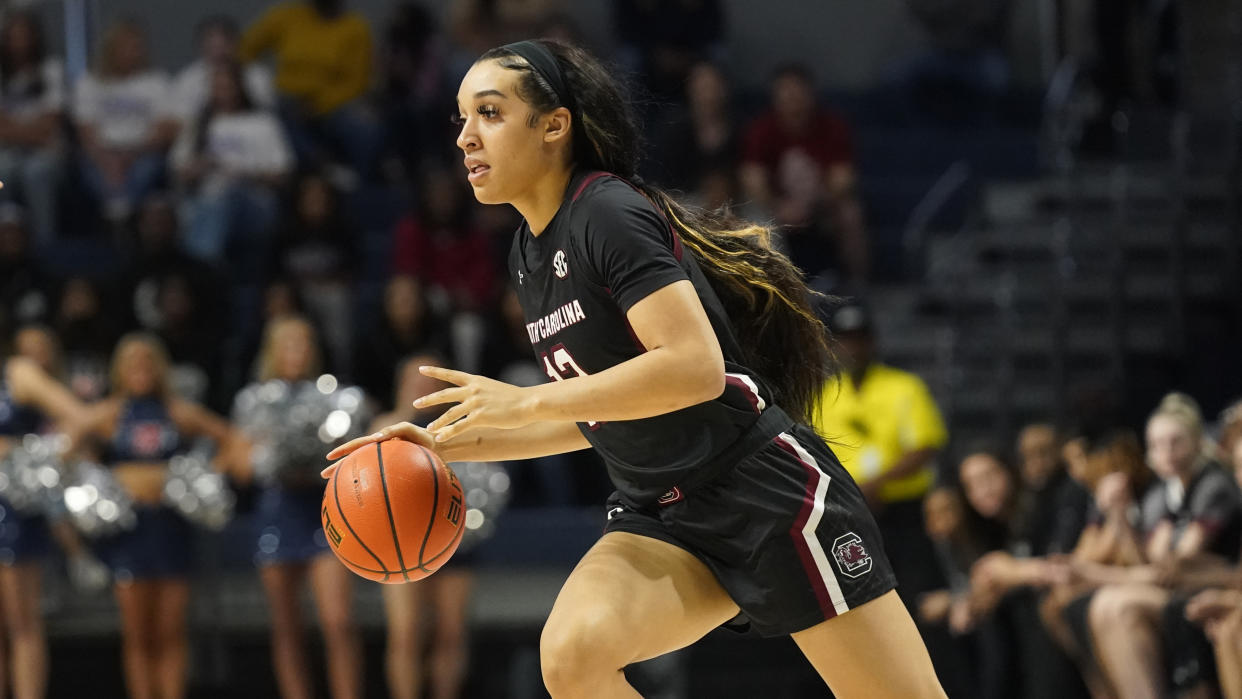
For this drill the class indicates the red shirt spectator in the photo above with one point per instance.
(798, 165)
(825, 137)
(443, 248)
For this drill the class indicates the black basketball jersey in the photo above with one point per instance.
(605, 250)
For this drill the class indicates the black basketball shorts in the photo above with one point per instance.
(786, 532)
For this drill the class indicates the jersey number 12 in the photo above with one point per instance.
(561, 366)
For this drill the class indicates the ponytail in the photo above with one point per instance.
(763, 293)
(764, 296)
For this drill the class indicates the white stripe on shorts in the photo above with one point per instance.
(754, 388)
(812, 522)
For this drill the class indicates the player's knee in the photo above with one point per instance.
(574, 648)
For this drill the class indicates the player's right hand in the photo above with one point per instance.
(401, 430)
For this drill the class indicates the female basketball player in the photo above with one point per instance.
(28, 397)
(673, 338)
(292, 548)
(137, 430)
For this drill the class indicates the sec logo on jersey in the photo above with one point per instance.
(559, 265)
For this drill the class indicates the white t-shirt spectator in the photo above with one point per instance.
(241, 144)
(30, 94)
(124, 111)
(193, 83)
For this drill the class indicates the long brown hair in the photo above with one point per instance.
(764, 294)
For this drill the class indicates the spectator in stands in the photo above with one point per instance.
(661, 41)
(126, 120)
(136, 430)
(32, 103)
(703, 138)
(1049, 511)
(798, 165)
(192, 336)
(1048, 516)
(887, 431)
(427, 620)
(324, 62)
(157, 254)
(1219, 609)
(25, 287)
(441, 245)
(291, 549)
(416, 87)
(217, 37)
(407, 327)
(957, 546)
(86, 324)
(315, 250)
(1194, 510)
(1108, 463)
(232, 158)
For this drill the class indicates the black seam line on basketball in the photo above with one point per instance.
(356, 567)
(336, 486)
(430, 460)
(460, 532)
(392, 521)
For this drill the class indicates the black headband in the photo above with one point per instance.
(545, 64)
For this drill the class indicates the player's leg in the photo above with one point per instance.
(135, 602)
(873, 650)
(282, 583)
(1124, 622)
(630, 598)
(450, 594)
(23, 622)
(332, 586)
(404, 609)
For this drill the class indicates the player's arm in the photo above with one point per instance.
(683, 366)
(480, 443)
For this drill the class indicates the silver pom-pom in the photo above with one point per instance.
(487, 489)
(97, 505)
(30, 474)
(293, 425)
(199, 493)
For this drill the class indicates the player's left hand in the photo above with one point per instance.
(481, 402)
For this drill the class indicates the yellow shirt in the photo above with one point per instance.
(323, 62)
(872, 428)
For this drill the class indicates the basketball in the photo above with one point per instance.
(393, 512)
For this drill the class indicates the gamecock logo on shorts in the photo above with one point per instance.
(852, 558)
(560, 265)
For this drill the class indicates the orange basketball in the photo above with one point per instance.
(393, 512)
